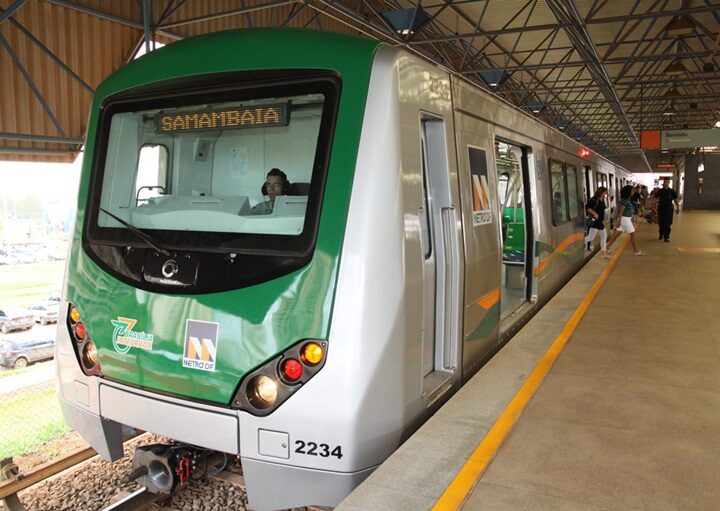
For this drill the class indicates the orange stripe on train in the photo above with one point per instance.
(490, 299)
(562, 246)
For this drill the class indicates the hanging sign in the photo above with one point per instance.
(683, 139)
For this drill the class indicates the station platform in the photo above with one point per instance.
(608, 399)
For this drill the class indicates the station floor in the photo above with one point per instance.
(627, 416)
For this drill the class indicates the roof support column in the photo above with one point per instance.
(147, 15)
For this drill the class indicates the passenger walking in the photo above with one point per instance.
(666, 196)
(624, 220)
(595, 209)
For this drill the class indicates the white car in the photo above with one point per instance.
(45, 312)
(15, 318)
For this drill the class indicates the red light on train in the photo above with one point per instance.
(583, 152)
(292, 370)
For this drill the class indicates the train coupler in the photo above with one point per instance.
(162, 467)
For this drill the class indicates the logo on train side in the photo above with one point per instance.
(201, 341)
(124, 337)
(482, 211)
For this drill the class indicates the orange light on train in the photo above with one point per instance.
(583, 152)
(312, 353)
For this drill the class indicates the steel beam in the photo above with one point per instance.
(591, 21)
(10, 10)
(566, 12)
(652, 15)
(41, 138)
(110, 17)
(49, 53)
(36, 150)
(231, 12)
(616, 60)
(32, 85)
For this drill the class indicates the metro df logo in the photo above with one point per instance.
(201, 340)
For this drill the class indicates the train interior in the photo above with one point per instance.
(512, 207)
(199, 168)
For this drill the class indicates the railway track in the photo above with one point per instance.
(77, 481)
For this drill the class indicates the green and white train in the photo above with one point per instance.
(423, 223)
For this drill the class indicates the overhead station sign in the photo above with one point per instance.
(261, 116)
(680, 139)
(677, 139)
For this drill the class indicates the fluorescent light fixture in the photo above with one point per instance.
(536, 106)
(493, 77)
(671, 93)
(406, 21)
(675, 68)
(669, 110)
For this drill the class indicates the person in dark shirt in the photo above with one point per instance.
(595, 210)
(666, 196)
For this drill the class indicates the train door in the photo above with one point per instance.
(441, 269)
(512, 167)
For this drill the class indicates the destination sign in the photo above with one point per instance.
(260, 116)
(679, 139)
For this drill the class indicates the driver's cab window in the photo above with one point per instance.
(152, 177)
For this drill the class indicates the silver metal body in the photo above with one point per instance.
(413, 269)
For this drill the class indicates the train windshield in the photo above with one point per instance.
(240, 170)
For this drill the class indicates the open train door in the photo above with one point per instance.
(516, 271)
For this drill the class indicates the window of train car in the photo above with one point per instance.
(572, 190)
(558, 193)
(191, 169)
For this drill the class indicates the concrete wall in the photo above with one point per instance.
(710, 198)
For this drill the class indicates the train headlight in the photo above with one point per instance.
(262, 392)
(312, 353)
(90, 355)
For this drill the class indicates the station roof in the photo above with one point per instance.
(601, 70)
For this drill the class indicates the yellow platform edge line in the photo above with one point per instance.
(464, 482)
(698, 250)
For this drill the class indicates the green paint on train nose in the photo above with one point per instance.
(201, 346)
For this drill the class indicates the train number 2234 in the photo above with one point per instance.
(313, 449)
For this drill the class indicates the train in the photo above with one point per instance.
(417, 222)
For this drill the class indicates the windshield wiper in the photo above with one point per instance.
(140, 234)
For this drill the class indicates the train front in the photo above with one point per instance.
(201, 278)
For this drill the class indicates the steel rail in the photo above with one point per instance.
(136, 501)
(46, 470)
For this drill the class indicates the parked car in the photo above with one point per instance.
(20, 353)
(25, 257)
(14, 318)
(45, 312)
(53, 298)
(5, 258)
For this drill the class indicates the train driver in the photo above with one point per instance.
(276, 183)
